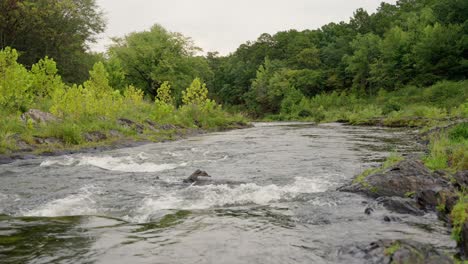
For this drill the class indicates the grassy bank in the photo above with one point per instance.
(40, 113)
(408, 106)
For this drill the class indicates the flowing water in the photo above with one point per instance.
(271, 199)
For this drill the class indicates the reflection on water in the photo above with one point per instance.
(271, 199)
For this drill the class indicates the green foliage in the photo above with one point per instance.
(391, 160)
(68, 132)
(449, 149)
(59, 29)
(459, 216)
(164, 94)
(151, 57)
(195, 94)
(459, 132)
(15, 82)
(44, 78)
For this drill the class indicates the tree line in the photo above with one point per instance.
(412, 42)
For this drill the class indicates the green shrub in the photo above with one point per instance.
(70, 133)
(459, 215)
(44, 78)
(459, 132)
(15, 82)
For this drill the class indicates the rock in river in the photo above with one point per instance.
(194, 177)
(401, 179)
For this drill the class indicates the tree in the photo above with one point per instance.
(195, 94)
(365, 52)
(393, 68)
(59, 29)
(164, 94)
(151, 57)
(439, 54)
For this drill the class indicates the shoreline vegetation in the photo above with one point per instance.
(403, 66)
(68, 118)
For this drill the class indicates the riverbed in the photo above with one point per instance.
(271, 198)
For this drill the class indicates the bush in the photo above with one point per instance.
(15, 82)
(459, 132)
(196, 93)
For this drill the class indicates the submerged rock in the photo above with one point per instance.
(395, 252)
(194, 177)
(406, 177)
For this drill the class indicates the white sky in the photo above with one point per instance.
(222, 25)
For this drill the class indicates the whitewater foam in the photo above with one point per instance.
(123, 164)
(76, 204)
(212, 196)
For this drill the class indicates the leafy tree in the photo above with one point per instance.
(195, 94)
(45, 79)
(59, 29)
(365, 52)
(164, 94)
(98, 80)
(393, 68)
(151, 57)
(15, 82)
(439, 54)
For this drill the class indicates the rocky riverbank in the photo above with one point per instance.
(408, 187)
(137, 133)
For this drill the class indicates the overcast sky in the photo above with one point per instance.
(222, 25)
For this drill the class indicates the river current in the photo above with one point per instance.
(271, 199)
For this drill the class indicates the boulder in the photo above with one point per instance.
(427, 198)
(401, 179)
(38, 116)
(194, 177)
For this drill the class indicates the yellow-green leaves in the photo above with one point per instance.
(15, 81)
(98, 80)
(164, 94)
(196, 93)
(44, 78)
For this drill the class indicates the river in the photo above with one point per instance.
(271, 199)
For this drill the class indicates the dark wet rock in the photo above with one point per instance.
(391, 218)
(94, 136)
(407, 176)
(446, 200)
(139, 128)
(400, 205)
(38, 116)
(395, 252)
(461, 179)
(427, 199)
(194, 177)
(368, 210)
